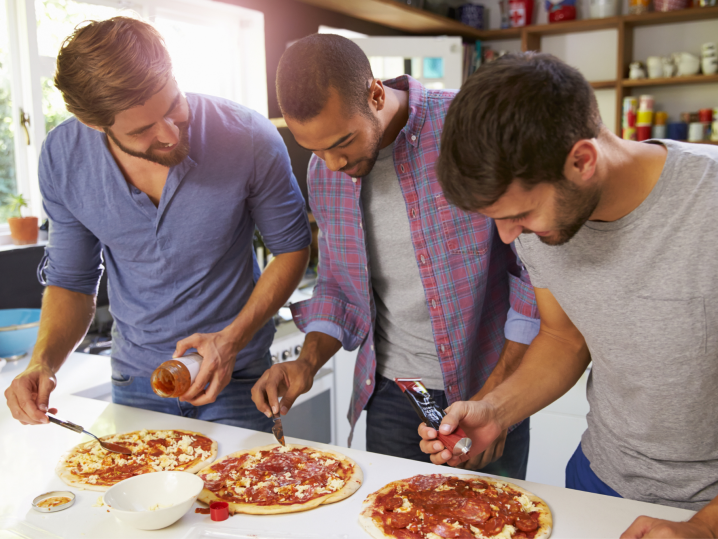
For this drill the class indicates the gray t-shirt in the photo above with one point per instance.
(643, 291)
(404, 340)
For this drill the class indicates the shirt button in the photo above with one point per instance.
(372, 347)
(354, 180)
(360, 225)
(433, 303)
(413, 137)
(413, 212)
(401, 167)
(368, 381)
(137, 191)
(443, 348)
(423, 260)
(449, 388)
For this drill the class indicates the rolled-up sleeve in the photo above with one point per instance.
(276, 202)
(73, 255)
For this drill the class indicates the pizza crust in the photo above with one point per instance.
(351, 485)
(373, 529)
(65, 472)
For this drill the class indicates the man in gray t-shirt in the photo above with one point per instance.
(619, 239)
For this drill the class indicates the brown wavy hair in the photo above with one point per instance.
(106, 67)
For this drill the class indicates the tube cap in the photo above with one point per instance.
(219, 511)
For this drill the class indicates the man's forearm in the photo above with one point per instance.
(708, 517)
(65, 319)
(280, 278)
(550, 367)
(509, 360)
(318, 348)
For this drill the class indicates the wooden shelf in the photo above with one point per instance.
(418, 21)
(672, 81)
(603, 84)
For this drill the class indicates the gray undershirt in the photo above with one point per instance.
(643, 291)
(404, 341)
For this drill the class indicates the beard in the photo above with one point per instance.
(175, 157)
(574, 207)
(366, 164)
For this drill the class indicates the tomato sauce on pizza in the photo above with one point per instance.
(278, 476)
(439, 506)
(152, 451)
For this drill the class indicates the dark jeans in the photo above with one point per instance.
(392, 430)
(580, 476)
(233, 406)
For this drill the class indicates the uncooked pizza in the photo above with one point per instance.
(457, 506)
(280, 479)
(90, 467)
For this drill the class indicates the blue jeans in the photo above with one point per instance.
(580, 476)
(233, 406)
(392, 430)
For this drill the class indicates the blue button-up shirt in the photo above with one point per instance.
(188, 265)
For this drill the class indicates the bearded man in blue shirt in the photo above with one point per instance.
(164, 190)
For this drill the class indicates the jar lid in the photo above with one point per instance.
(54, 501)
(219, 511)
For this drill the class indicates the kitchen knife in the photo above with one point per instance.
(277, 429)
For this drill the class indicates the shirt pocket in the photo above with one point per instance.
(462, 232)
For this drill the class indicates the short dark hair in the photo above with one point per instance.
(517, 117)
(316, 63)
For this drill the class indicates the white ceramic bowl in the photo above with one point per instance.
(155, 500)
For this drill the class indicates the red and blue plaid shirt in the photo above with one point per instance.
(470, 277)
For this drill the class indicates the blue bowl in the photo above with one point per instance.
(18, 331)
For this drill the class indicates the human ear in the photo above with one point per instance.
(581, 162)
(377, 94)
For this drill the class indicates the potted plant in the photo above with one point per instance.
(23, 230)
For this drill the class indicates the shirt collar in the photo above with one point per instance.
(417, 106)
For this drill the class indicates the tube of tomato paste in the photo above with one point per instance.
(431, 413)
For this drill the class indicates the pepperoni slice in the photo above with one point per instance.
(393, 503)
(406, 534)
(494, 526)
(442, 529)
(399, 520)
(427, 482)
(526, 524)
(513, 507)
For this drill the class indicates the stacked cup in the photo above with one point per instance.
(630, 110)
(659, 127)
(644, 118)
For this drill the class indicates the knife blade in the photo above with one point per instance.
(277, 429)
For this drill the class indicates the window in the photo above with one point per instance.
(216, 48)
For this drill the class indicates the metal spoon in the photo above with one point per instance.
(114, 448)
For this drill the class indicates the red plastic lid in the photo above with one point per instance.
(219, 511)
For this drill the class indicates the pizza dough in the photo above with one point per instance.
(88, 466)
(450, 505)
(275, 479)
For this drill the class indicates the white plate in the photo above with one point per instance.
(155, 500)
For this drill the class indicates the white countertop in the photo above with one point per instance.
(28, 456)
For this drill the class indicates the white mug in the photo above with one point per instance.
(669, 68)
(654, 65)
(688, 64)
(708, 49)
(709, 65)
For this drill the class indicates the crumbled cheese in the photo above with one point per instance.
(494, 508)
(93, 479)
(506, 533)
(301, 489)
(432, 535)
(405, 505)
(99, 503)
(335, 483)
(526, 504)
(239, 490)
(282, 449)
(185, 458)
(263, 484)
(212, 476)
(245, 482)
(444, 487)
(315, 455)
(329, 462)
(288, 475)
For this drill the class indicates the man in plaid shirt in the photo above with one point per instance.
(422, 288)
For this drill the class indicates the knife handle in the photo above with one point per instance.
(67, 424)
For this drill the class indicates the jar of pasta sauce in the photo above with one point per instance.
(173, 377)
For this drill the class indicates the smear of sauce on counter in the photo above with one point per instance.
(202, 511)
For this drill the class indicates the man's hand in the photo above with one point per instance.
(28, 396)
(647, 527)
(287, 380)
(480, 423)
(219, 353)
(489, 455)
